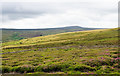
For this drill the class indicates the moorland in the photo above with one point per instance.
(18, 34)
(78, 52)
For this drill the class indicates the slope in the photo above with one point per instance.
(81, 52)
(18, 34)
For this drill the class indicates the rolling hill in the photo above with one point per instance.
(18, 34)
(80, 52)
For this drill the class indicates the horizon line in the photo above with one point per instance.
(56, 27)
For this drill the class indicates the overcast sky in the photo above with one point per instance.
(59, 13)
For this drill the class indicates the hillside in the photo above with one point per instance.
(18, 34)
(80, 52)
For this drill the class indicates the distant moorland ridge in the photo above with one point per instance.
(18, 34)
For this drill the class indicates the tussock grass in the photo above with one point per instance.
(86, 52)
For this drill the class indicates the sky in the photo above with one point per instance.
(31, 14)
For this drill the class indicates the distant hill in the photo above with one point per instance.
(83, 38)
(18, 34)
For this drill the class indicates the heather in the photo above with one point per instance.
(84, 52)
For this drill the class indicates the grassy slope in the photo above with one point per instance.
(18, 34)
(74, 52)
(83, 38)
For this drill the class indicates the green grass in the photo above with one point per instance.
(18, 34)
(86, 52)
(100, 37)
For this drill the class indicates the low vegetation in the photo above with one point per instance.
(84, 52)
(18, 34)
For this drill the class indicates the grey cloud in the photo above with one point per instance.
(15, 10)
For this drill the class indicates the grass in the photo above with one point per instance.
(18, 34)
(86, 52)
(101, 37)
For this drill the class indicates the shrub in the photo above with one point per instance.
(38, 68)
(6, 69)
(55, 67)
(104, 69)
(82, 68)
(52, 67)
(98, 63)
(17, 69)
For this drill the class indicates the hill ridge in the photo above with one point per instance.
(18, 34)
